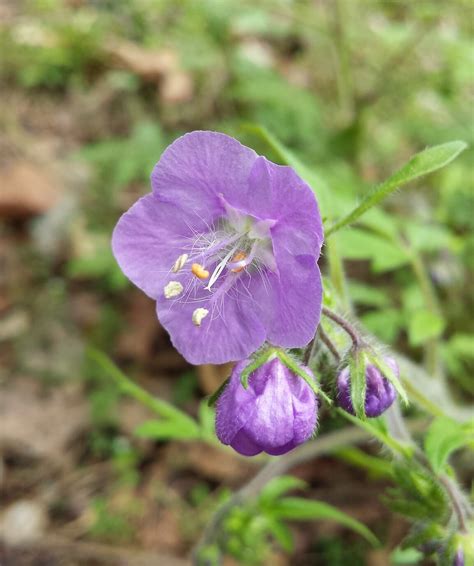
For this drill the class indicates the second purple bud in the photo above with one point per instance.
(379, 394)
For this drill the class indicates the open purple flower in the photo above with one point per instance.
(275, 414)
(379, 394)
(227, 245)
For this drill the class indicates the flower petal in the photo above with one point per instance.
(243, 444)
(198, 167)
(290, 300)
(271, 425)
(277, 192)
(149, 238)
(231, 330)
(234, 406)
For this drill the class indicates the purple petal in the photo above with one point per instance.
(196, 168)
(277, 192)
(234, 406)
(243, 444)
(231, 331)
(271, 425)
(290, 300)
(148, 239)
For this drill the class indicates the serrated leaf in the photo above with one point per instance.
(166, 430)
(422, 163)
(424, 325)
(298, 509)
(278, 486)
(443, 438)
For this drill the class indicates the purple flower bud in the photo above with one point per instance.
(459, 558)
(379, 395)
(277, 412)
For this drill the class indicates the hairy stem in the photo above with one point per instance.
(346, 326)
(329, 344)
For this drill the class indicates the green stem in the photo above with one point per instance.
(161, 408)
(336, 273)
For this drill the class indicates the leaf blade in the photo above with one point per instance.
(423, 163)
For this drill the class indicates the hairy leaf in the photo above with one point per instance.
(420, 164)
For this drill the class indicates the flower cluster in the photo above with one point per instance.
(227, 244)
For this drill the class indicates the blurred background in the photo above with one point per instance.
(92, 91)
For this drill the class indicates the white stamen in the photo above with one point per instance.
(173, 289)
(179, 263)
(218, 270)
(198, 315)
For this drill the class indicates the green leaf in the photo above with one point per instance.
(403, 556)
(166, 430)
(422, 163)
(299, 509)
(385, 323)
(278, 486)
(443, 438)
(358, 383)
(361, 244)
(368, 295)
(162, 408)
(373, 464)
(281, 533)
(424, 325)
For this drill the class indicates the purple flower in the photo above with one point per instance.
(227, 245)
(277, 412)
(379, 395)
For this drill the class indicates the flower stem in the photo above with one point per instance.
(348, 328)
(329, 344)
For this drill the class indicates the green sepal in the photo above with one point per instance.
(358, 383)
(217, 393)
(262, 358)
(292, 365)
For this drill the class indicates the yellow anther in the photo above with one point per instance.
(199, 271)
(239, 256)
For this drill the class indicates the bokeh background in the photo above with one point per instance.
(92, 91)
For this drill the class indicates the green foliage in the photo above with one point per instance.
(427, 161)
(121, 161)
(299, 509)
(418, 495)
(444, 437)
(423, 326)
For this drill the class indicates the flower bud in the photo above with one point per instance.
(276, 413)
(379, 393)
